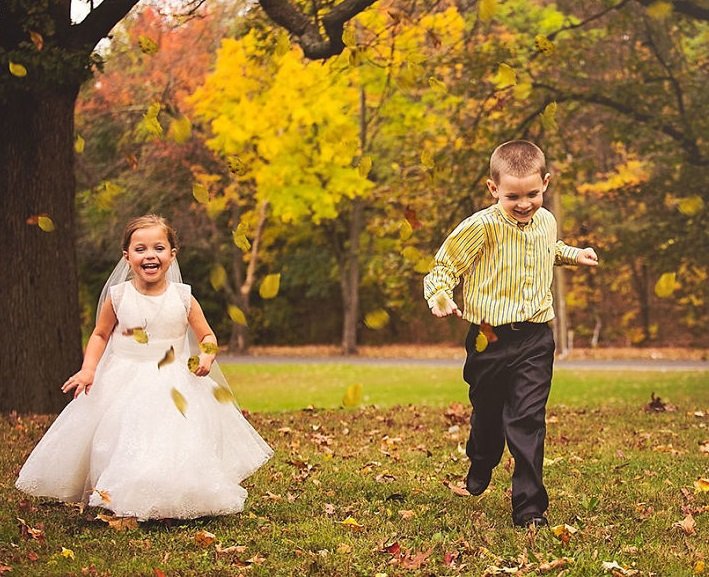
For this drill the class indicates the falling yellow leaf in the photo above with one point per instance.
(45, 223)
(481, 342)
(168, 358)
(427, 158)
(691, 205)
(180, 129)
(217, 277)
(659, 10)
(17, 69)
(411, 254)
(236, 315)
(269, 286)
(149, 127)
(37, 40)
(282, 44)
(353, 396)
(548, 117)
(240, 240)
(223, 394)
(506, 76)
(204, 538)
(544, 45)
(405, 230)
(179, 400)
(365, 165)
(68, 554)
(147, 45)
(209, 348)
(140, 335)
(666, 285)
(236, 165)
(424, 265)
(376, 320)
(487, 9)
(701, 485)
(193, 363)
(200, 193)
(79, 144)
(349, 37)
(522, 90)
(437, 85)
(352, 524)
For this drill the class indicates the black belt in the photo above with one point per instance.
(515, 328)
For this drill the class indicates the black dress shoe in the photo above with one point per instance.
(477, 482)
(533, 520)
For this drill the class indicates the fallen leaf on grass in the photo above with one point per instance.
(701, 485)
(457, 489)
(687, 525)
(105, 495)
(204, 538)
(407, 514)
(119, 523)
(28, 532)
(158, 572)
(657, 405)
(229, 551)
(555, 565)
(563, 532)
(5, 569)
(417, 560)
(68, 554)
(615, 569)
(352, 524)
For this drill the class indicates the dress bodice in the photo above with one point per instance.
(162, 318)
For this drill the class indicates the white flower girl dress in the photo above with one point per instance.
(127, 446)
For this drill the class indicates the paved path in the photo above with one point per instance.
(579, 364)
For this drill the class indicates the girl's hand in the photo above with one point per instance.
(80, 381)
(588, 257)
(205, 364)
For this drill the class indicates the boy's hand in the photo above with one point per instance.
(444, 306)
(588, 257)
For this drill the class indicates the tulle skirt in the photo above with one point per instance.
(128, 448)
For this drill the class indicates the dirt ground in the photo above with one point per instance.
(457, 352)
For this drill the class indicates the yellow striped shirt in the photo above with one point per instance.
(507, 270)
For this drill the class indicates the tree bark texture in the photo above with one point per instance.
(40, 338)
(350, 280)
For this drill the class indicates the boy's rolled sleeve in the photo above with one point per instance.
(566, 254)
(456, 255)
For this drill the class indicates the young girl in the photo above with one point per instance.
(150, 433)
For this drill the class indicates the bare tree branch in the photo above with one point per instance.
(314, 45)
(698, 10)
(99, 22)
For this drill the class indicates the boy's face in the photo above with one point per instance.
(519, 197)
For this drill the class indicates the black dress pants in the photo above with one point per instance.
(509, 386)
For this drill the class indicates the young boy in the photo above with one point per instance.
(506, 254)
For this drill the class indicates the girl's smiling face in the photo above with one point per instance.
(149, 255)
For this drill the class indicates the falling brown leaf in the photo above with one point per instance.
(168, 358)
(105, 495)
(410, 215)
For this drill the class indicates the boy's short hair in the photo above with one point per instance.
(517, 158)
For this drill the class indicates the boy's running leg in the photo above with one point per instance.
(485, 373)
(524, 421)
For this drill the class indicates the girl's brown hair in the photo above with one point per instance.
(146, 221)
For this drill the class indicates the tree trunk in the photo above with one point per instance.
(350, 280)
(641, 283)
(40, 338)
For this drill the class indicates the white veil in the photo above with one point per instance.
(121, 273)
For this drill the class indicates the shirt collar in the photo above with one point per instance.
(510, 220)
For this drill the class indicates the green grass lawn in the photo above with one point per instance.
(373, 490)
(284, 387)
